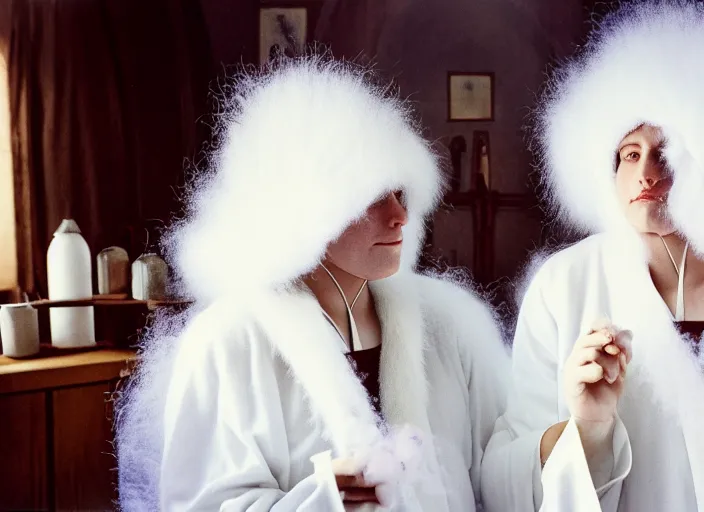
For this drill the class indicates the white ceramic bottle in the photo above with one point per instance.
(69, 276)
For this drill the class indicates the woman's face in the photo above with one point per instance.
(643, 181)
(371, 247)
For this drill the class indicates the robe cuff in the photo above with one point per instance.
(567, 468)
(622, 457)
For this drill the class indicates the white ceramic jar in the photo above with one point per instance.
(19, 330)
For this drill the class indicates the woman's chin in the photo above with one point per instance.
(654, 228)
(651, 220)
(382, 271)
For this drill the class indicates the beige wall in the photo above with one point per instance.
(8, 255)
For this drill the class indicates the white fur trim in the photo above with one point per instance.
(334, 391)
(307, 147)
(645, 64)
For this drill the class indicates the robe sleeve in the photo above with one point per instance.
(512, 478)
(225, 443)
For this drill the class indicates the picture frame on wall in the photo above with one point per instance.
(282, 29)
(470, 96)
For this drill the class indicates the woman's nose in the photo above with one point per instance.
(652, 172)
(398, 216)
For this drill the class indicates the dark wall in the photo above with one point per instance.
(420, 41)
(233, 30)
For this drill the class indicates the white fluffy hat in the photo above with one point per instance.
(306, 146)
(643, 64)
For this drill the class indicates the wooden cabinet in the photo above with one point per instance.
(56, 433)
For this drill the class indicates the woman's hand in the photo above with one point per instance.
(593, 380)
(594, 375)
(350, 481)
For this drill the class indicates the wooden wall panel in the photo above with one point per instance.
(83, 460)
(23, 452)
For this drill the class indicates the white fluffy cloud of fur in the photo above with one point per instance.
(645, 64)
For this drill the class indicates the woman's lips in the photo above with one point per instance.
(390, 244)
(649, 196)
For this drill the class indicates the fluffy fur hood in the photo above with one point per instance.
(643, 64)
(305, 147)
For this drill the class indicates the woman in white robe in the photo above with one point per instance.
(621, 131)
(318, 177)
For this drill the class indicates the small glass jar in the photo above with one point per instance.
(113, 271)
(149, 278)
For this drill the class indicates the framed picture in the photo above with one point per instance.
(282, 30)
(470, 96)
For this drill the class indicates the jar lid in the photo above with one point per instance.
(67, 226)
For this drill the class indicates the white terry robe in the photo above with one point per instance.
(657, 448)
(233, 396)
(260, 388)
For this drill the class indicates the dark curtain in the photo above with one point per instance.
(105, 101)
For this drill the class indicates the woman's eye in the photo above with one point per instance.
(632, 156)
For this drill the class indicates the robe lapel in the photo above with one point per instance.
(662, 366)
(403, 386)
(300, 334)
(303, 338)
(403, 382)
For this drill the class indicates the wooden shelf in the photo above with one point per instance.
(54, 367)
(104, 300)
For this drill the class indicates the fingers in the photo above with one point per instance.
(612, 349)
(598, 339)
(610, 366)
(586, 355)
(624, 340)
(621, 338)
(601, 324)
(347, 466)
(358, 494)
(612, 344)
(352, 481)
(590, 373)
(623, 361)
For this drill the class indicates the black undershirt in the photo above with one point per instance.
(693, 330)
(366, 364)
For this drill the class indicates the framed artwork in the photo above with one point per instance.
(282, 30)
(470, 96)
